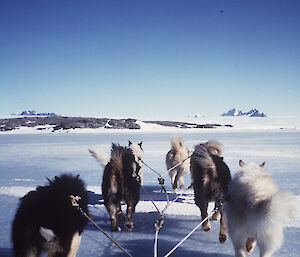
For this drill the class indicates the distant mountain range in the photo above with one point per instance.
(236, 112)
(34, 113)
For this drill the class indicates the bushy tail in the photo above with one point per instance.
(116, 157)
(202, 157)
(282, 206)
(101, 156)
(177, 143)
(214, 147)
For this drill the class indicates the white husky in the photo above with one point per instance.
(103, 158)
(178, 155)
(256, 210)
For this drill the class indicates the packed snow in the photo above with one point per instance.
(26, 159)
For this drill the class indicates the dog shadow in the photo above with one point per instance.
(94, 198)
(141, 239)
(155, 193)
(142, 236)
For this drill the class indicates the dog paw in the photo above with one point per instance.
(206, 226)
(222, 238)
(116, 229)
(250, 245)
(129, 226)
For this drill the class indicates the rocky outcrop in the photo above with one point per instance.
(66, 123)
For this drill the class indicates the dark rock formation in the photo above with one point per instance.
(65, 123)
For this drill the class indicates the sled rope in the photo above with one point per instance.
(157, 173)
(160, 221)
(175, 166)
(189, 234)
(161, 181)
(155, 243)
(166, 172)
(169, 203)
(74, 200)
(145, 191)
(158, 225)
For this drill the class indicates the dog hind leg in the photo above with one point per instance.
(216, 215)
(74, 245)
(120, 215)
(223, 232)
(112, 209)
(129, 212)
(179, 176)
(172, 174)
(203, 208)
(270, 241)
(239, 246)
(250, 244)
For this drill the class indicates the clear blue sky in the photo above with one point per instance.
(151, 59)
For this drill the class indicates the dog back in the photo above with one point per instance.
(50, 207)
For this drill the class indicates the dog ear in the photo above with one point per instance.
(263, 165)
(49, 180)
(129, 143)
(241, 163)
(140, 144)
(77, 177)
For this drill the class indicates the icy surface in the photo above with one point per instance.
(25, 161)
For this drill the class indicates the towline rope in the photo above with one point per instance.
(189, 234)
(166, 172)
(159, 223)
(175, 166)
(74, 200)
(173, 201)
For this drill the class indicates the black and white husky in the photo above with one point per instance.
(211, 177)
(178, 155)
(256, 210)
(48, 221)
(121, 181)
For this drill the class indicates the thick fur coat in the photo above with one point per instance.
(46, 220)
(256, 210)
(211, 177)
(121, 182)
(179, 154)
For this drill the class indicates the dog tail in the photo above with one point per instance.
(282, 206)
(201, 156)
(177, 143)
(101, 156)
(214, 147)
(116, 157)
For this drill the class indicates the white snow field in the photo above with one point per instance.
(26, 159)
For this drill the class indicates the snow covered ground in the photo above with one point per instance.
(26, 159)
(241, 123)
